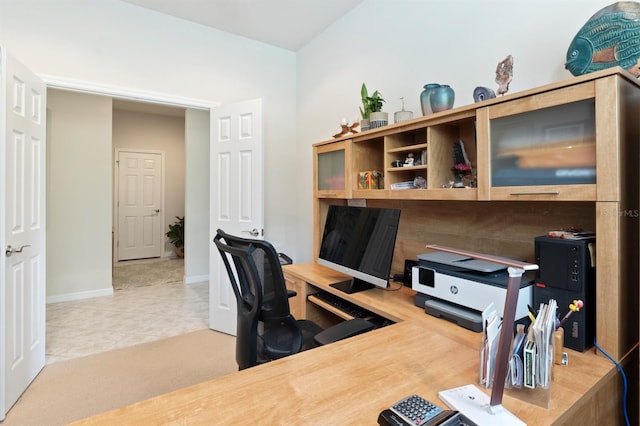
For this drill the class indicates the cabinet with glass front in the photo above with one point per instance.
(411, 160)
(541, 147)
(332, 170)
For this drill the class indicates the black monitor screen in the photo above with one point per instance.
(360, 241)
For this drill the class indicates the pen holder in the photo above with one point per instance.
(558, 346)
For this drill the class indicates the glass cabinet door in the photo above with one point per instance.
(551, 146)
(331, 172)
(547, 152)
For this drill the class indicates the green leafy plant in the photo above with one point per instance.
(371, 103)
(176, 232)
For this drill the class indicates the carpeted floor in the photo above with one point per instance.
(71, 390)
(130, 274)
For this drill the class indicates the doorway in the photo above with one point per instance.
(149, 177)
(86, 129)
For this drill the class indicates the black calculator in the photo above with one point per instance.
(415, 410)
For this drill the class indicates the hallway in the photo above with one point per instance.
(128, 317)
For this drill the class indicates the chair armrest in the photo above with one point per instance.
(291, 293)
(343, 330)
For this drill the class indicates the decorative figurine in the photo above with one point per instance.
(482, 94)
(609, 38)
(504, 74)
(420, 182)
(410, 160)
(346, 128)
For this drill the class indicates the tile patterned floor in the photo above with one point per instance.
(128, 317)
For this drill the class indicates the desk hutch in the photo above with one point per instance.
(504, 220)
(351, 381)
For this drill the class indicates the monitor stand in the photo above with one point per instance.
(353, 285)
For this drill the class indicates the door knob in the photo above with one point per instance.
(10, 250)
(254, 232)
(157, 211)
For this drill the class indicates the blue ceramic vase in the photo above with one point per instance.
(425, 101)
(442, 98)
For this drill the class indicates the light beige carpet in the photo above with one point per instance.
(71, 390)
(131, 274)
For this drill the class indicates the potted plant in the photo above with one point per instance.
(371, 110)
(176, 235)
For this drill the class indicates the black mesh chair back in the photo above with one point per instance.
(266, 329)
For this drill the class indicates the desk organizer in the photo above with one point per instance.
(530, 370)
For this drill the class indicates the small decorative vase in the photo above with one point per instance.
(482, 94)
(425, 101)
(442, 98)
(403, 115)
(379, 119)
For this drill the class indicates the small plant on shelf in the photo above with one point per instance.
(371, 103)
(371, 110)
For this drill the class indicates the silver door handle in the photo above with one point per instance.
(10, 250)
(157, 211)
(254, 232)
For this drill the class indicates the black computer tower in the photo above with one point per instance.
(567, 273)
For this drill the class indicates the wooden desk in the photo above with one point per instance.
(351, 381)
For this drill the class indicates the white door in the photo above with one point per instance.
(236, 195)
(22, 229)
(139, 204)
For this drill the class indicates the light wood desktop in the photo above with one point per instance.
(351, 381)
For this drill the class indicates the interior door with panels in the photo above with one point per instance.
(22, 228)
(139, 204)
(236, 195)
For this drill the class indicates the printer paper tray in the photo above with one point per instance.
(464, 317)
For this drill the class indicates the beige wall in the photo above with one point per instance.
(83, 135)
(153, 132)
(79, 195)
(197, 234)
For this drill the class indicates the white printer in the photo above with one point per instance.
(459, 288)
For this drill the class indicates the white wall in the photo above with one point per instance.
(395, 46)
(79, 195)
(398, 46)
(116, 44)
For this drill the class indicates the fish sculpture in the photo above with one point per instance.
(609, 38)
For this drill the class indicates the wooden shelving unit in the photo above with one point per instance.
(505, 219)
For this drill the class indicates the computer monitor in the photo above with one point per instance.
(359, 241)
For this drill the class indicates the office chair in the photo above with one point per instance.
(266, 329)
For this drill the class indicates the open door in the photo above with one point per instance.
(22, 228)
(236, 195)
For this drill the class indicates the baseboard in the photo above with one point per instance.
(66, 297)
(196, 279)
